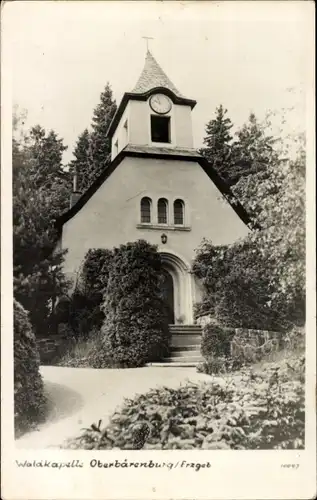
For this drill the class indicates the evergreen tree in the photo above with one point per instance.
(101, 144)
(218, 150)
(40, 193)
(93, 149)
(83, 162)
(253, 152)
(44, 157)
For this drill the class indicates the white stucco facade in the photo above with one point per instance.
(111, 216)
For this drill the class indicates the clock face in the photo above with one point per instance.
(160, 103)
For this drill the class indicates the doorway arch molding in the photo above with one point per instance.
(182, 280)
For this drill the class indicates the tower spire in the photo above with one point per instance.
(153, 76)
(147, 38)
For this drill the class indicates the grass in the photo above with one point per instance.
(79, 352)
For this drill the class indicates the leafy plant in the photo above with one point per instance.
(260, 410)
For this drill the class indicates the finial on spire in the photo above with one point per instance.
(147, 38)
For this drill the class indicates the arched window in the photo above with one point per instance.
(162, 205)
(178, 212)
(146, 210)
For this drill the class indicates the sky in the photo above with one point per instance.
(248, 56)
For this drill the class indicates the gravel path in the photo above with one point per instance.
(80, 396)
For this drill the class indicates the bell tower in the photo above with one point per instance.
(154, 114)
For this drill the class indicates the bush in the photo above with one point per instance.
(216, 340)
(83, 310)
(263, 410)
(29, 401)
(239, 290)
(135, 328)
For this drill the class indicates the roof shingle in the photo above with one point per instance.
(153, 76)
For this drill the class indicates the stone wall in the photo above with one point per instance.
(250, 345)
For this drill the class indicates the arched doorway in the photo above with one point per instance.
(177, 288)
(168, 296)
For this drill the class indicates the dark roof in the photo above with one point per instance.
(159, 153)
(153, 76)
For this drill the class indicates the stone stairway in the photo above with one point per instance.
(185, 348)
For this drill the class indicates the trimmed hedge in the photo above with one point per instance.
(263, 410)
(135, 329)
(29, 401)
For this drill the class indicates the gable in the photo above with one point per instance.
(111, 216)
(160, 153)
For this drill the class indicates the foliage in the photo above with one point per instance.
(279, 203)
(218, 144)
(83, 161)
(83, 310)
(216, 340)
(40, 190)
(93, 149)
(253, 151)
(29, 401)
(135, 328)
(259, 282)
(237, 286)
(81, 352)
(259, 410)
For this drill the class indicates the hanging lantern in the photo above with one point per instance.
(163, 238)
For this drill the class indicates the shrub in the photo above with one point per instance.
(135, 327)
(216, 340)
(239, 290)
(83, 310)
(29, 401)
(263, 410)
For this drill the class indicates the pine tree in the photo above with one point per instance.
(253, 151)
(93, 149)
(83, 162)
(218, 150)
(44, 153)
(101, 144)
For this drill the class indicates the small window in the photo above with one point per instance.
(162, 211)
(146, 210)
(178, 212)
(160, 129)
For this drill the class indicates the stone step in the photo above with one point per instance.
(185, 359)
(189, 347)
(185, 331)
(184, 327)
(185, 340)
(185, 353)
(179, 364)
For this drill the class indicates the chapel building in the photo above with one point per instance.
(157, 188)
